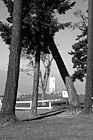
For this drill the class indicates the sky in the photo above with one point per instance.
(64, 41)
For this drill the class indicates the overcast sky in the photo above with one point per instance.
(63, 39)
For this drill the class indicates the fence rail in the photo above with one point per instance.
(39, 107)
(30, 104)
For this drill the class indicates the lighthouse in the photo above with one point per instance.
(52, 84)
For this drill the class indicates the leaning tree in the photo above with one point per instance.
(52, 26)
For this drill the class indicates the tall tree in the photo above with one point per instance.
(9, 100)
(35, 83)
(89, 80)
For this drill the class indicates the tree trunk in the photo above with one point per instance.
(89, 80)
(47, 61)
(9, 100)
(35, 84)
(43, 85)
(73, 97)
(44, 97)
(43, 93)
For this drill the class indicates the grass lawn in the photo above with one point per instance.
(63, 126)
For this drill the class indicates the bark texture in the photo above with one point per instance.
(44, 78)
(9, 100)
(73, 97)
(89, 80)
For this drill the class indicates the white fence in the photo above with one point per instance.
(0, 104)
(21, 107)
(41, 107)
(30, 104)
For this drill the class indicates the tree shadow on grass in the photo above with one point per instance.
(46, 114)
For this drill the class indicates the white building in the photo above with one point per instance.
(52, 84)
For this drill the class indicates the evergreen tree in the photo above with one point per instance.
(79, 52)
(83, 55)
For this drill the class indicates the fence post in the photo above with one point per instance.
(50, 105)
(30, 104)
(0, 104)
